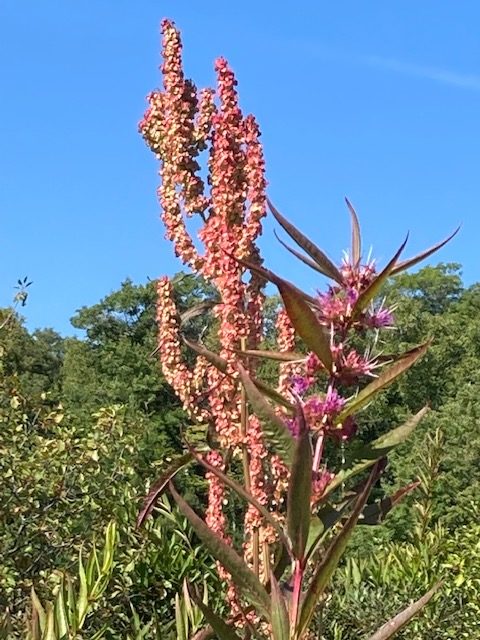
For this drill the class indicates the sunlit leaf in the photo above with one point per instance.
(61, 614)
(356, 236)
(306, 324)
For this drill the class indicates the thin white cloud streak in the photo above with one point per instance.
(464, 81)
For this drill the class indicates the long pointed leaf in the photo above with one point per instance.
(376, 512)
(82, 601)
(280, 356)
(411, 262)
(375, 286)
(274, 428)
(306, 323)
(386, 378)
(211, 356)
(325, 570)
(241, 574)
(272, 277)
(390, 628)
(300, 256)
(356, 236)
(222, 365)
(61, 615)
(50, 624)
(223, 630)
(160, 485)
(243, 493)
(37, 606)
(280, 619)
(367, 455)
(300, 492)
(325, 264)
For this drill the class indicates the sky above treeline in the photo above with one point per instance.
(377, 101)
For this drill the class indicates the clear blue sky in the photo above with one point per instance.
(376, 100)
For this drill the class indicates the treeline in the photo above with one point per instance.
(87, 423)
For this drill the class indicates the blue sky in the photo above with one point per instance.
(378, 101)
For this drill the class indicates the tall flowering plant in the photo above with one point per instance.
(299, 514)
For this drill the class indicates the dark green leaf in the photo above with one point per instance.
(376, 512)
(223, 630)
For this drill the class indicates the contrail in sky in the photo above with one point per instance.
(464, 81)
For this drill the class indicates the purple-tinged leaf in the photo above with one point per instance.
(323, 573)
(280, 356)
(386, 378)
(374, 288)
(197, 310)
(368, 454)
(241, 574)
(356, 236)
(160, 485)
(274, 428)
(376, 512)
(222, 365)
(272, 277)
(300, 256)
(273, 394)
(326, 266)
(298, 309)
(300, 490)
(411, 262)
(325, 518)
(280, 619)
(306, 324)
(390, 628)
(243, 493)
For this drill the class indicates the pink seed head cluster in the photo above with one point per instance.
(180, 125)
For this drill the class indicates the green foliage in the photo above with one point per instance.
(68, 465)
